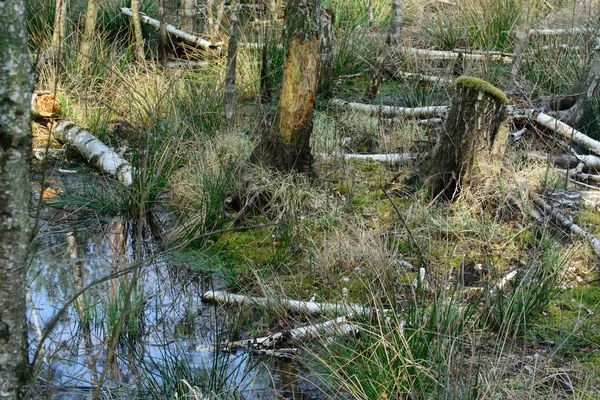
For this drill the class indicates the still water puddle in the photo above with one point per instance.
(167, 322)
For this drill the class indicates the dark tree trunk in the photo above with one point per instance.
(286, 146)
(395, 35)
(470, 139)
(16, 86)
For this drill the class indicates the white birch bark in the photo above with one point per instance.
(94, 151)
(391, 111)
(186, 37)
(60, 21)
(565, 130)
(16, 86)
(187, 16)
(308, 307)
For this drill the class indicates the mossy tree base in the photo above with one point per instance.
(470, 139)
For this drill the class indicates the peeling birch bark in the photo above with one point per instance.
(391, 111)
(564, 130)
(589, 161)
(93, 150)
(308, 307)
(186, 37)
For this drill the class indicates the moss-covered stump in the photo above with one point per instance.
(471, 140)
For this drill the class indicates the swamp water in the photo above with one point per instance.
(163, 334)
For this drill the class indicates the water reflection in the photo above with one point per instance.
(162, 328)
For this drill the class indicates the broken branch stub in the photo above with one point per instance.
(93, 150)
(44, 105)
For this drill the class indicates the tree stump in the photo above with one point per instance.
(471, 140)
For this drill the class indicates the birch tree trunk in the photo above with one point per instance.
(85, 52)
(325, 53)
(471, 138)
(521, 39)
(137, 30)
(187, 16)
(286, 146)
(60, 18)
(229, 90)
(16, 86)
(162, 32)
(395, 35)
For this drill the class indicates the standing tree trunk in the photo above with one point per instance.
(395, 35)
(85, 52)
(137, 30)
(325, 53)
(286, 146)
(522, 38)
(162, 33)
(16, 87)
(229, 89)
(187, 16)
(470, 139)
(394, 38)
(60, 21)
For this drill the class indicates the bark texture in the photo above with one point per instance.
(325, 53)
(60, 19)
(187, 16)
(16, 86)
(137, 30)
(470, 139)
(395, 37)
(229, 90)
(88, 34)
(286, 146)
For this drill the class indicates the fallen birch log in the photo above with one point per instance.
(589, 161)
(393, 158)
(573, 173)
(391, 111)
(564, 130)
(339, 327)
(483, 52)
(93, 150)
(564, 221)
(184, 36)
(44, 105)
(559, 32)
(574, 199)
(308, 307)
(423, 77)
(451, 55)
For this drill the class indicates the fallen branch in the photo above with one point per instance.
(558, 32)
(391, 111)
(565, 130)
(309, 307)
(44, 105)
(589, 161)
(483, 52)
(574, 199)
(564, 221)
(425, 78)
(385, 158)
(93, 150)
(339, 326)
(451, 55)
(184, 36)
(573, 173)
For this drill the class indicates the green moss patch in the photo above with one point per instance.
(482, 86)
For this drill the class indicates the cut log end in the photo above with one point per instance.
(44, 105)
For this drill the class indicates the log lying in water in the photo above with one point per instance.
(308, 307)
(184, 36)
(93, 150)
(44, 105)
